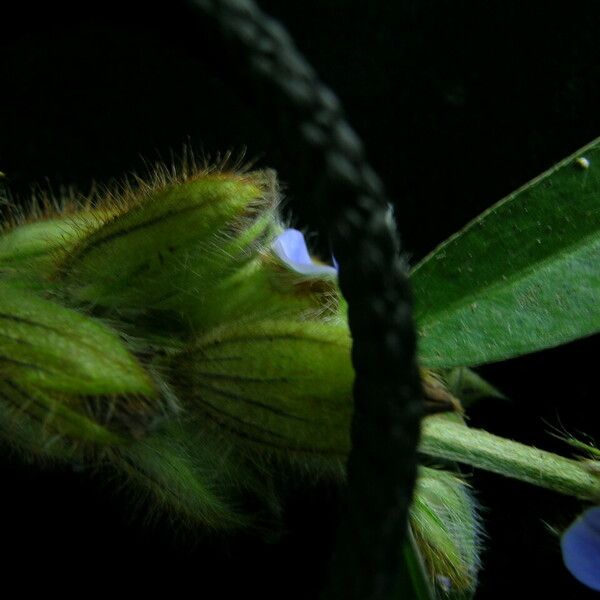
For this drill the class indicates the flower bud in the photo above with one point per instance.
(446, 526)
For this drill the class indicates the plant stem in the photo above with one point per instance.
(444, 438)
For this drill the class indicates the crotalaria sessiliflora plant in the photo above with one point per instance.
(179, 334)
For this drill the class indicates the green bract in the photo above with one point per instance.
(164, 248)
(29, 251)
(282, 387)
(64, 374)
(166, 334)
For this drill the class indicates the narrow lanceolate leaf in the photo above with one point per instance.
(523, 276)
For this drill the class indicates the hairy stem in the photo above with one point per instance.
(444, 438)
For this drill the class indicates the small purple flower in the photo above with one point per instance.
(290, 247)
(581, 548)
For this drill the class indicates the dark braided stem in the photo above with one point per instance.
(374, 281)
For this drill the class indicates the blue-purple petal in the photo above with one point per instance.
(290, 247)
(581, 548)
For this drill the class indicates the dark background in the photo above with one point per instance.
(458, 102)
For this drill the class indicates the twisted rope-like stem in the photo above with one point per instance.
(373, 279)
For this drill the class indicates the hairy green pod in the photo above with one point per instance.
(69, 373)
(446, 526)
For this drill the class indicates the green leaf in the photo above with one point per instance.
(523, 276)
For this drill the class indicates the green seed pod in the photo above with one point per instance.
(68, 373)
(446, 527)
(278, 387)
(171, 244)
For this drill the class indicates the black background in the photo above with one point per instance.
(458, 103)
